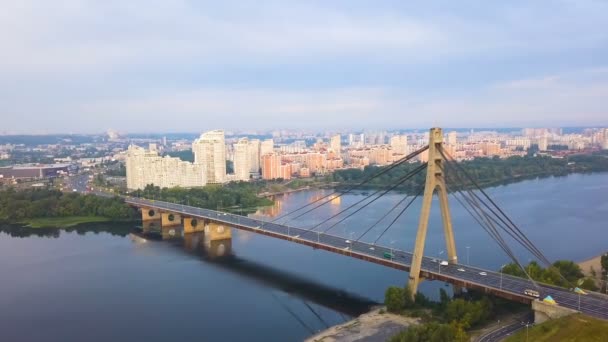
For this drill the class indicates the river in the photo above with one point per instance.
(110, 285)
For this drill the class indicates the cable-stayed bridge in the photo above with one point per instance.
(443, 176)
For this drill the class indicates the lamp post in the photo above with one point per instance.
(391, 244)
(501, 267)
(439, 261)
(468, 248)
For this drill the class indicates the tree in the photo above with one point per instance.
(394, 299)
(408, 300)
(570, 270)
(604, 261)
(444, 299)
(588, 284)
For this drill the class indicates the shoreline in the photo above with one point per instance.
(377, 325)
(63, 222)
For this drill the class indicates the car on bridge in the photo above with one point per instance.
(532, 293)
(388, 255)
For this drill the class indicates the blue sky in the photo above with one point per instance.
(149, 66)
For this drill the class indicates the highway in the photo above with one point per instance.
(593, 304)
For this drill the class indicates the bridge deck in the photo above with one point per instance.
(503, 285)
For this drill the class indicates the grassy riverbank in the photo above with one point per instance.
(571, 328)
(63, 222)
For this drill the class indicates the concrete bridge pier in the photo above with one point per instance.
(151, 225)
(171, 232)
(171, 219)
(194, 241)
(218, 248)
(193, 225)
(148, 214)
(217, 231)
(545, 311)
(218, 240)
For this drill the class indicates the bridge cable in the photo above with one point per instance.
(511, 230)
(293, 314)
(398, 216)
(529, 246)
(314, 312)
(489, 228)
(393, 187)
(488, 219)
(510, 223)
(367, 197)
(383, 217)
(348, 190)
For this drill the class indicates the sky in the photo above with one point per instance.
(189, 66)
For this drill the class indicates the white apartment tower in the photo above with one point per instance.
(335, 143)
(399, 144)
(242, 159)
(266, 147)
(452, 138)
(210, 151)
(147, 167)
(254, 156)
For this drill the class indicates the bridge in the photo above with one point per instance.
(217, 225)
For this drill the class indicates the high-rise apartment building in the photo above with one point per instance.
(242, 159)
(147, 167)
(542, 143)
(254, 156)
(210, 151)
(399, 144)
(452, 138)
(267, 146)
(335, 143)
(271, 166)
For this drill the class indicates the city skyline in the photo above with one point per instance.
(85, 67)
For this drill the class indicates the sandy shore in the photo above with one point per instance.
(594, 263)
(370, 327)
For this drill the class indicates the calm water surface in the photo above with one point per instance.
(71, 286)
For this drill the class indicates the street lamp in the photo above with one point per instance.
(501, 267)
(468, 248)
(391, 247)
(439, 261)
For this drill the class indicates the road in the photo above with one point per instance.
(77, 183)
(594, 304)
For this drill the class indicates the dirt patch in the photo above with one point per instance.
(370, 327)
(593, 263)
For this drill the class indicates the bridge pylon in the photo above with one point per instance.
(435, 181)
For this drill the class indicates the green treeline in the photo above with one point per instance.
(18, 206)
(485, 171)
(572, 274)
(445, 321)
(235, 196)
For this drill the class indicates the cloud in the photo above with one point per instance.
(70, 65)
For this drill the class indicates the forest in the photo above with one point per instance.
(18, 206)
(234, 196)
(485, 171)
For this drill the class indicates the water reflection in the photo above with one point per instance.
(115, 229)
(219, 253)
